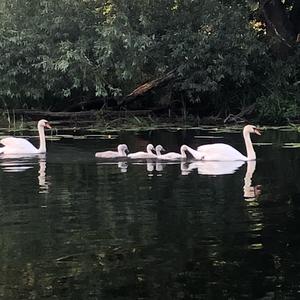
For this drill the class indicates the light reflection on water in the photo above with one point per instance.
(74, 227)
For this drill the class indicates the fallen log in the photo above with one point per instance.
(240, 117)
(147, 88)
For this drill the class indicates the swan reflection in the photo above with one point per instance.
(122, 165)
(203, 167)
(214, 168)
(155, 165)
(17, 164)
(42, 179)
(251, 192)
(151, 166)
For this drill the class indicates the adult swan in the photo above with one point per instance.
(14, 145)
(224, 152)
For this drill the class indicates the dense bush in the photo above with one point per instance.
(221, 51)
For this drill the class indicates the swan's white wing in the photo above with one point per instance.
(17, 145)
(220, 152)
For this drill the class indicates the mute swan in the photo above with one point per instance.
(141, 154)
(224, 152)
(14, 145)
(122, 149)
(173, 155)
(197, 155)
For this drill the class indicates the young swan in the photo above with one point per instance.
(158, 150)
(141, 154)
(122, 149)
(14, 145)
(224, 152)
(172, 155)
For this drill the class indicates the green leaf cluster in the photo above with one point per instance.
(67, 50)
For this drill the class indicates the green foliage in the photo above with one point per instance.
(280, 100)
(65, 50)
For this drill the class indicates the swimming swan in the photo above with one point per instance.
(172, 155)
(159, 149)
(195, 154)
(224, 152)
(14, 145)
(141, 154)
(122, 149)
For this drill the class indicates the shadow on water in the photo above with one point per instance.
(74, 227)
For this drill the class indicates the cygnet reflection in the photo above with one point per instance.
(151, 165)
(122, 165)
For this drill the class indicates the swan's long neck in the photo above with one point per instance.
(42, 148)
(121, 152)
(158, 152)
(182, 152)
(149, 150)
(249, 147)
(193, 152)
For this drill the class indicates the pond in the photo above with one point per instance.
(76, 227)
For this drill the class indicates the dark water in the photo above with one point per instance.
(73, 227)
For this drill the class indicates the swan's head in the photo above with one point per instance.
(251, 129)
(159, 148)
(183, 148)
(150, 147)
(123, 148)
(43, 123)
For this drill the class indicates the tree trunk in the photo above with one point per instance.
(147, 88)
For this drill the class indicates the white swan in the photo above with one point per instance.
(159, 149)
(122, 149)
(14, 145)
(141, 154)
(195, 154)
(172, 155)
(224, 152)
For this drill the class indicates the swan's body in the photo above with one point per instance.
(224, 152)
(141, 154)
(14, 145)
(122, 148)
(172, 155)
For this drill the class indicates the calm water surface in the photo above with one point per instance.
(73, 227)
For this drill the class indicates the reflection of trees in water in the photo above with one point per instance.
(109, 234)
(140, 217)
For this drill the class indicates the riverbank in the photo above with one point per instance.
(20, 121)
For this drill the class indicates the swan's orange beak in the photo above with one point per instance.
(48, 125)
(257, 131)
